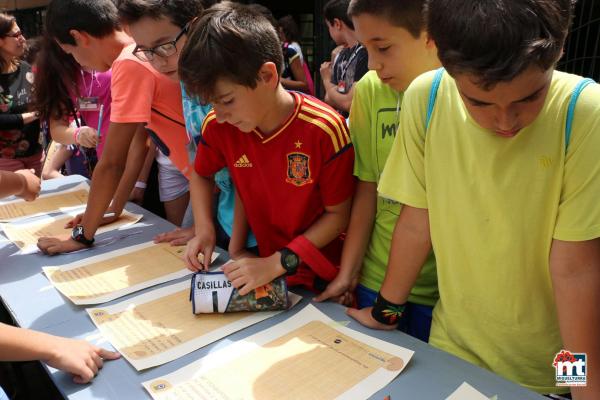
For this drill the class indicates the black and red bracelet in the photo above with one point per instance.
(386, 312)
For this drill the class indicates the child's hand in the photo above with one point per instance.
(203, 243)
(249, 273)
(78, 357)
(176, 237)
(32, 185)
(87, 137)
(340, 290)
(365, 318)
(108, 217)
(326, 71)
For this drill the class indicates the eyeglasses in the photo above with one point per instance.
(15, 35)
(162, 50)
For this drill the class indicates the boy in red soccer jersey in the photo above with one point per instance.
(289, 155)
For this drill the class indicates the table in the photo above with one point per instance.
(35, 304)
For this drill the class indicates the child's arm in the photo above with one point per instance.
(23, 183)
(239, 233)
(61, 132)
(364, 207)
(332, 96)
(201, 197)
(249, 273)
(78, 357)
(137, 194)
(299, 82)
(575, 271)
(411, 244)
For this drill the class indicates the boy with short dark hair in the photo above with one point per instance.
(350, 65)
(502, 177)
(399, 49)
(142, 97)
(289, 155)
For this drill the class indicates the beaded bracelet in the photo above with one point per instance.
(387, 312)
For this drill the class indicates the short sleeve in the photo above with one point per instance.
(209, 158)
(579, 210)
(336, 181)
(360, 131)
(403, 177)
(132, 91)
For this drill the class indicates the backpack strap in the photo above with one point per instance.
(437, 78)
(571, 110)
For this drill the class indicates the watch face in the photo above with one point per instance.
(291, 260)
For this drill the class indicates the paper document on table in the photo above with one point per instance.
(466, 392)
(25, 233)
(49, 202)
(304, 357)
(158, 326)
(112, 275)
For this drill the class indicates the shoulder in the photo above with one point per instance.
(326, 123)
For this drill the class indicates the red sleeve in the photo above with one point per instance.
(209, 157)
(132, 91)
(337, 179)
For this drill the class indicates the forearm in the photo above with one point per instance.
(11, 183)
(61, 132)
(575, 271)
(136, 158)
(330, 225)
(411, 244)
(9, 121)
(362, 217)
(338, 100)
(19, 344)
(291, 84)
(201, 196)
(239, 232)
(150, 156)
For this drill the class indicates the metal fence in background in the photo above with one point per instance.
(582, 50)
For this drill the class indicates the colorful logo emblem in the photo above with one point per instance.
(571, 369)
(298, 169)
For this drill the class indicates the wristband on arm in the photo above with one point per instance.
(313, 257)
(386, 312)
(140, 185)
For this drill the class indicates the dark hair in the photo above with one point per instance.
(55, 80)
(180, 12)
(32, 48)
(496, 40)
(229, 41)
(265, 12)
(290, 28)
(98, 18)
(338, 9)
(6, 24)
(407, 14)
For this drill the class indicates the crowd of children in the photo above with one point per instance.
(444, 186)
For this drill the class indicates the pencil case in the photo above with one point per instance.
(212, 292)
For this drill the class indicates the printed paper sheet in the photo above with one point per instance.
(158, 326)
(467, 392)
(112, 275)
(308, 356)
(64, 200)
(25, 233)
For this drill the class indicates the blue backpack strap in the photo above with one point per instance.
(437, 78)
(571, 110)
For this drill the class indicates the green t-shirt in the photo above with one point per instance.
(495, 205)
(373, 124)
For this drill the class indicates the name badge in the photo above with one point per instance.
(89, 103)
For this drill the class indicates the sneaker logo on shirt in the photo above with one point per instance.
(243, 162)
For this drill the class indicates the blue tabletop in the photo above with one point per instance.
(35, 304)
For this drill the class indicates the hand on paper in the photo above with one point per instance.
(108, 217)
(364, 317)
(340, 290)
(203, 243)
(58, 245)
(176, 237)
(87, 137)
(249, 273)
(78, 357)
(32, 185)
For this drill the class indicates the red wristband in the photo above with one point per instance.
(313, 257)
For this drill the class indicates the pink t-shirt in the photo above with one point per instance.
(142, 94)
(96, 84)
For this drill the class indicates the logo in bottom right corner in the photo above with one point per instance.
(571, 368)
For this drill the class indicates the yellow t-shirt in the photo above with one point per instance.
(495, 205)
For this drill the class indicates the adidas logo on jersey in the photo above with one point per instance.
(243, 162)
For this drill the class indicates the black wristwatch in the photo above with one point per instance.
(289, 261)
(78, 235)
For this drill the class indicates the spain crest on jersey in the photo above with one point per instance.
(298, 169)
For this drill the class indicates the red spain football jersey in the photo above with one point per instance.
(287, 178)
